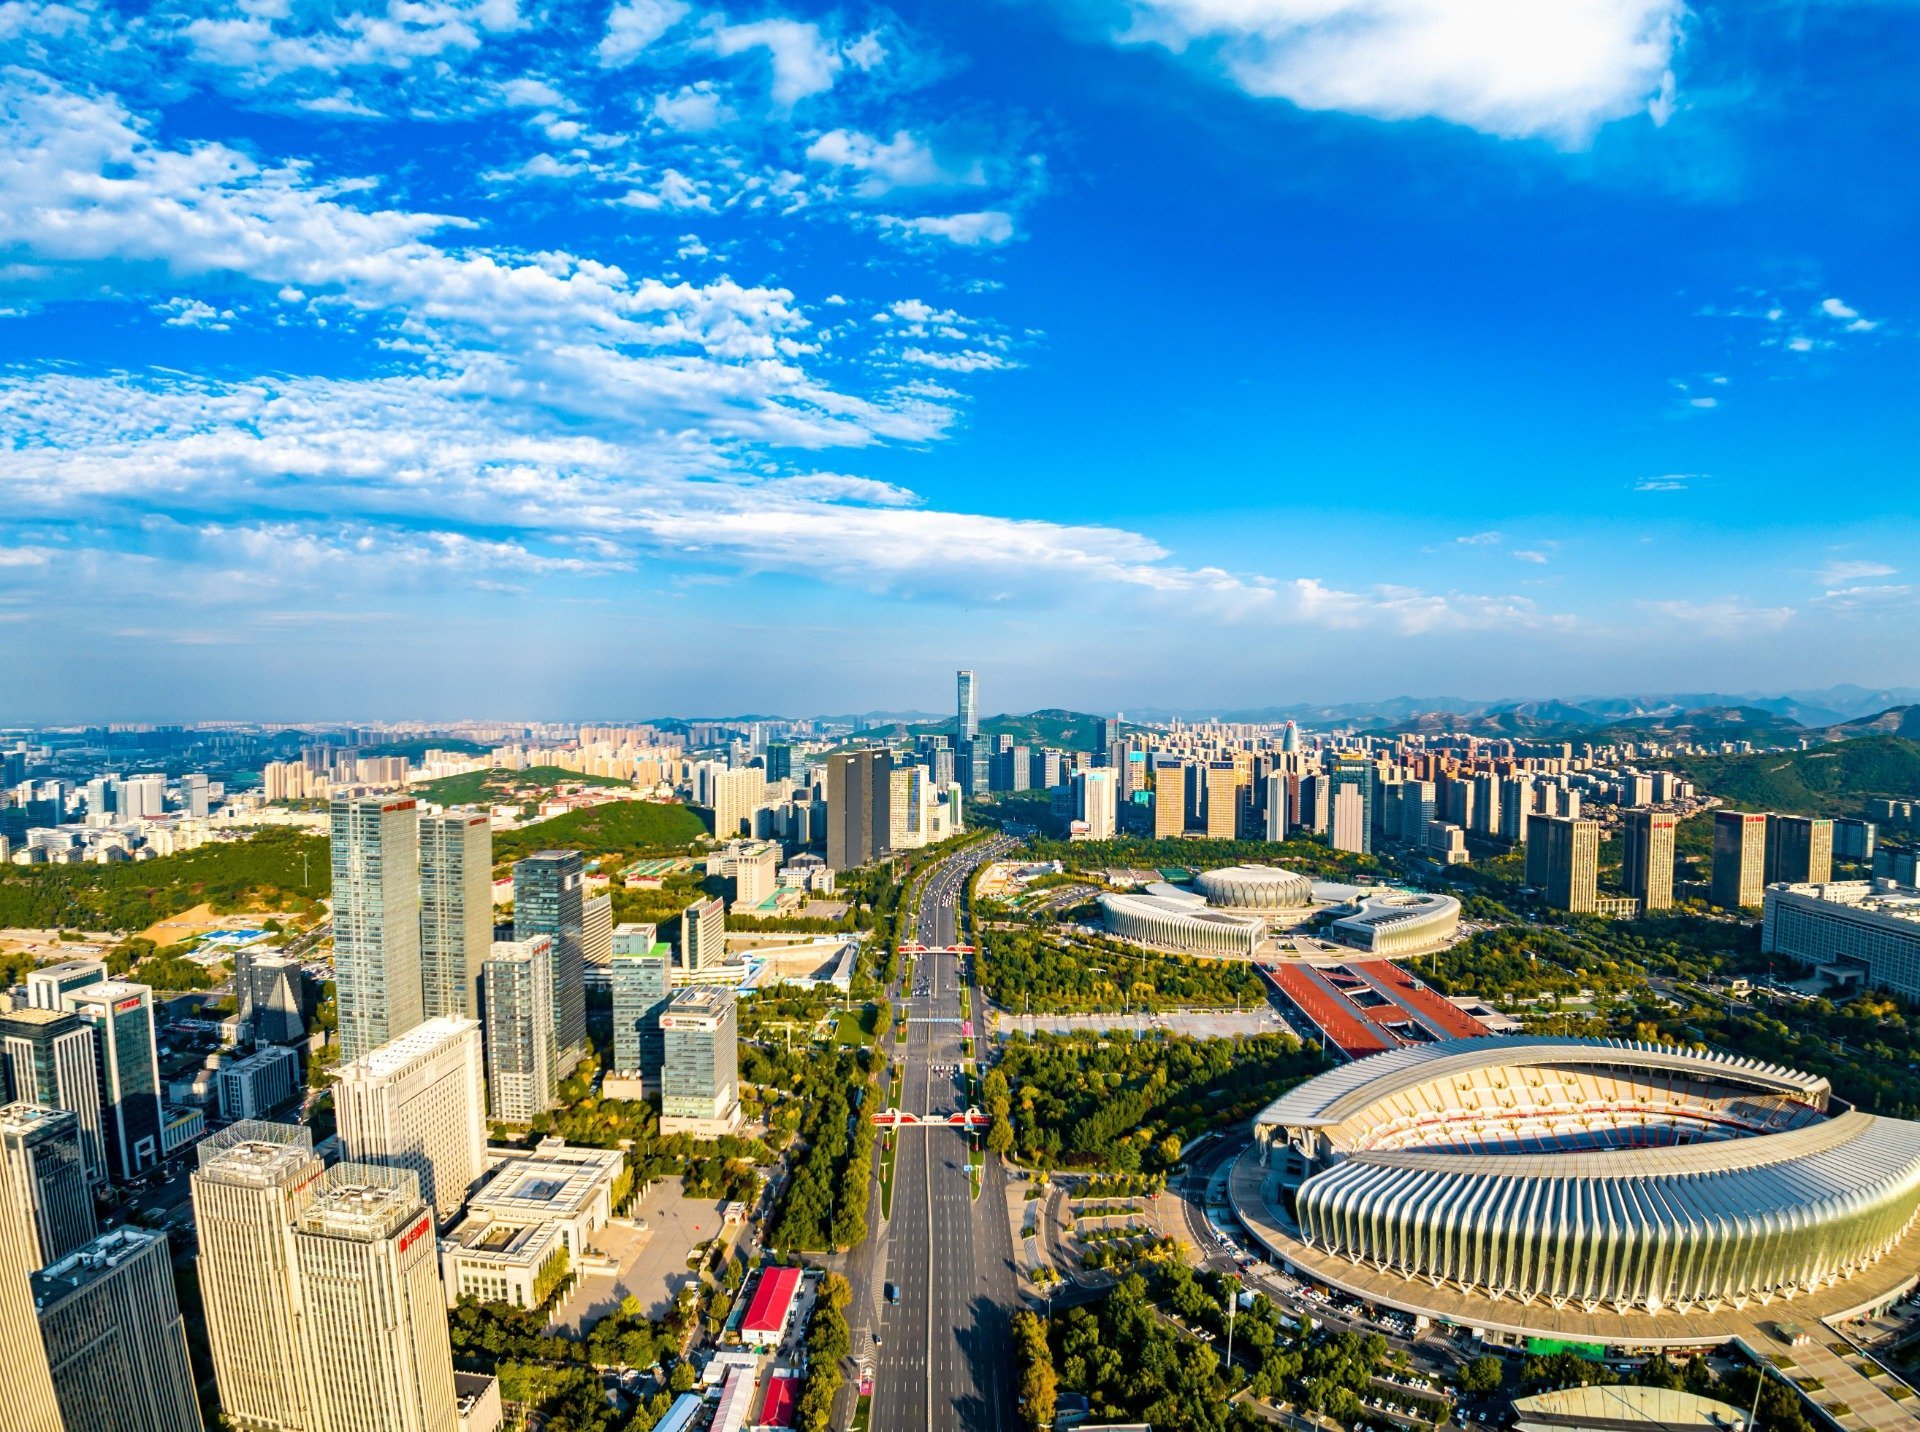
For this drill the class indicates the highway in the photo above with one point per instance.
(945, 1359)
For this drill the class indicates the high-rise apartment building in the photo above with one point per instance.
(373, 1320)
(596, 935)
(1563, 862)
(859, 806)
(1647, 856)
(1096, 803)
(736, 795)
(42, 1171)
(456, 912)
(376, 920)
(1348, 784)
(50, 1061)
(1169, 799)
(1799, 850)
(703, 934)
(642, 984)
(116, 1344)
(1516, 804)
(253, 1181)
(700, 1071)
(126, 1062)
(523, 1057)
(420, 1103)
(549, 898)
(27, 1402)
(1739, 859)
(966, 725)
(1222, 792)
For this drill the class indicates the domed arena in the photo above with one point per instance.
(1254, 887)
(1599, 1177)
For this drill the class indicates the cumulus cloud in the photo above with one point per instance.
(265, 43)
(1719, 616)
(803, 62)
(1514, 68)
(985, 229)
(633, 25)
(902, 162)
(693, 108)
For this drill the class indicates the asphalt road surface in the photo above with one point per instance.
(946, 1358)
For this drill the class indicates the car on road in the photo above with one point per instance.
(893, 1294)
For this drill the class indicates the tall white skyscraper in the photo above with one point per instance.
(27, 1403)
(42, 1170)
(376, 920)
(456, 912)
(419, 1103)
(522, 1053)
(1096, 802)
(373, 1319)
(253, 1180)
(966, 724)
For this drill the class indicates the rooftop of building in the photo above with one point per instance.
(1878, 897)
(90, 1262)
(363, 1202)
(423, 1041)
(699, 1002)
(523, 1244)
(24, 1118)
(1644, 1409)
(555, 1180)
(255, 1151)
(28, 1014)
(109, 991)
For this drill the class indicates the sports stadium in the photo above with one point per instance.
(1614, 1192)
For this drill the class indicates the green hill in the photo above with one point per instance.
(278, 869)
(1894, 721)
(626, 828)
(1833, 780)
(505, 787)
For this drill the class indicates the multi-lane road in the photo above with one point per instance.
(945, 1358)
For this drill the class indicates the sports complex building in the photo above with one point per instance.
(1233, 910)
(1616, 1193)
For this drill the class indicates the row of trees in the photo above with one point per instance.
(1129, 1105)
(826, 1202)
(1033, 969)
(828, 1341)
(1039, 1384)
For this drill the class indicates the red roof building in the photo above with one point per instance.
(771, 1306)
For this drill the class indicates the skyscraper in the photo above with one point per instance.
(735, 795)
(966, 724)
(127, 1063)
(376, 921)
(703, 934)
(1563, 861)
(642, 984)
(1348, 787)
(596, 934)
(1739, 859)
(700, 1072)
(373, 1320)
(859, 806)
(1647, 857)
(1222, 791)
(522, 1054)
(49, 985)
(1096, 803)
(420, 1103)
(116, 1345)
(253, 1181)
(1169, 799)
(50, 1061)
(42, 1172)
(269, 991)
(550, 898)
(456, 912)
(1799, 850)
(27, 1403)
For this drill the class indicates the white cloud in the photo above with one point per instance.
(970, 360)
(1848, 316)
(903, 162)
(1666, 482)
(802, 61)
(632, 25)
(1557, 68)
(258, 49)
(987, 228)
(1719, 616)
(1538, 558)
(693, 109)
(1479, 539)
(194, 313)
(1844, 573)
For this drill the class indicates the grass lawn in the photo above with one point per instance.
(856, 1026)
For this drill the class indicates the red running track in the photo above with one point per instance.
(1338, 1018)
(1442, 1016)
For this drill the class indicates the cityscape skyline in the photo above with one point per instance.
(1040, 330)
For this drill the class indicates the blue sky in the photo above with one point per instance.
(446, 357)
